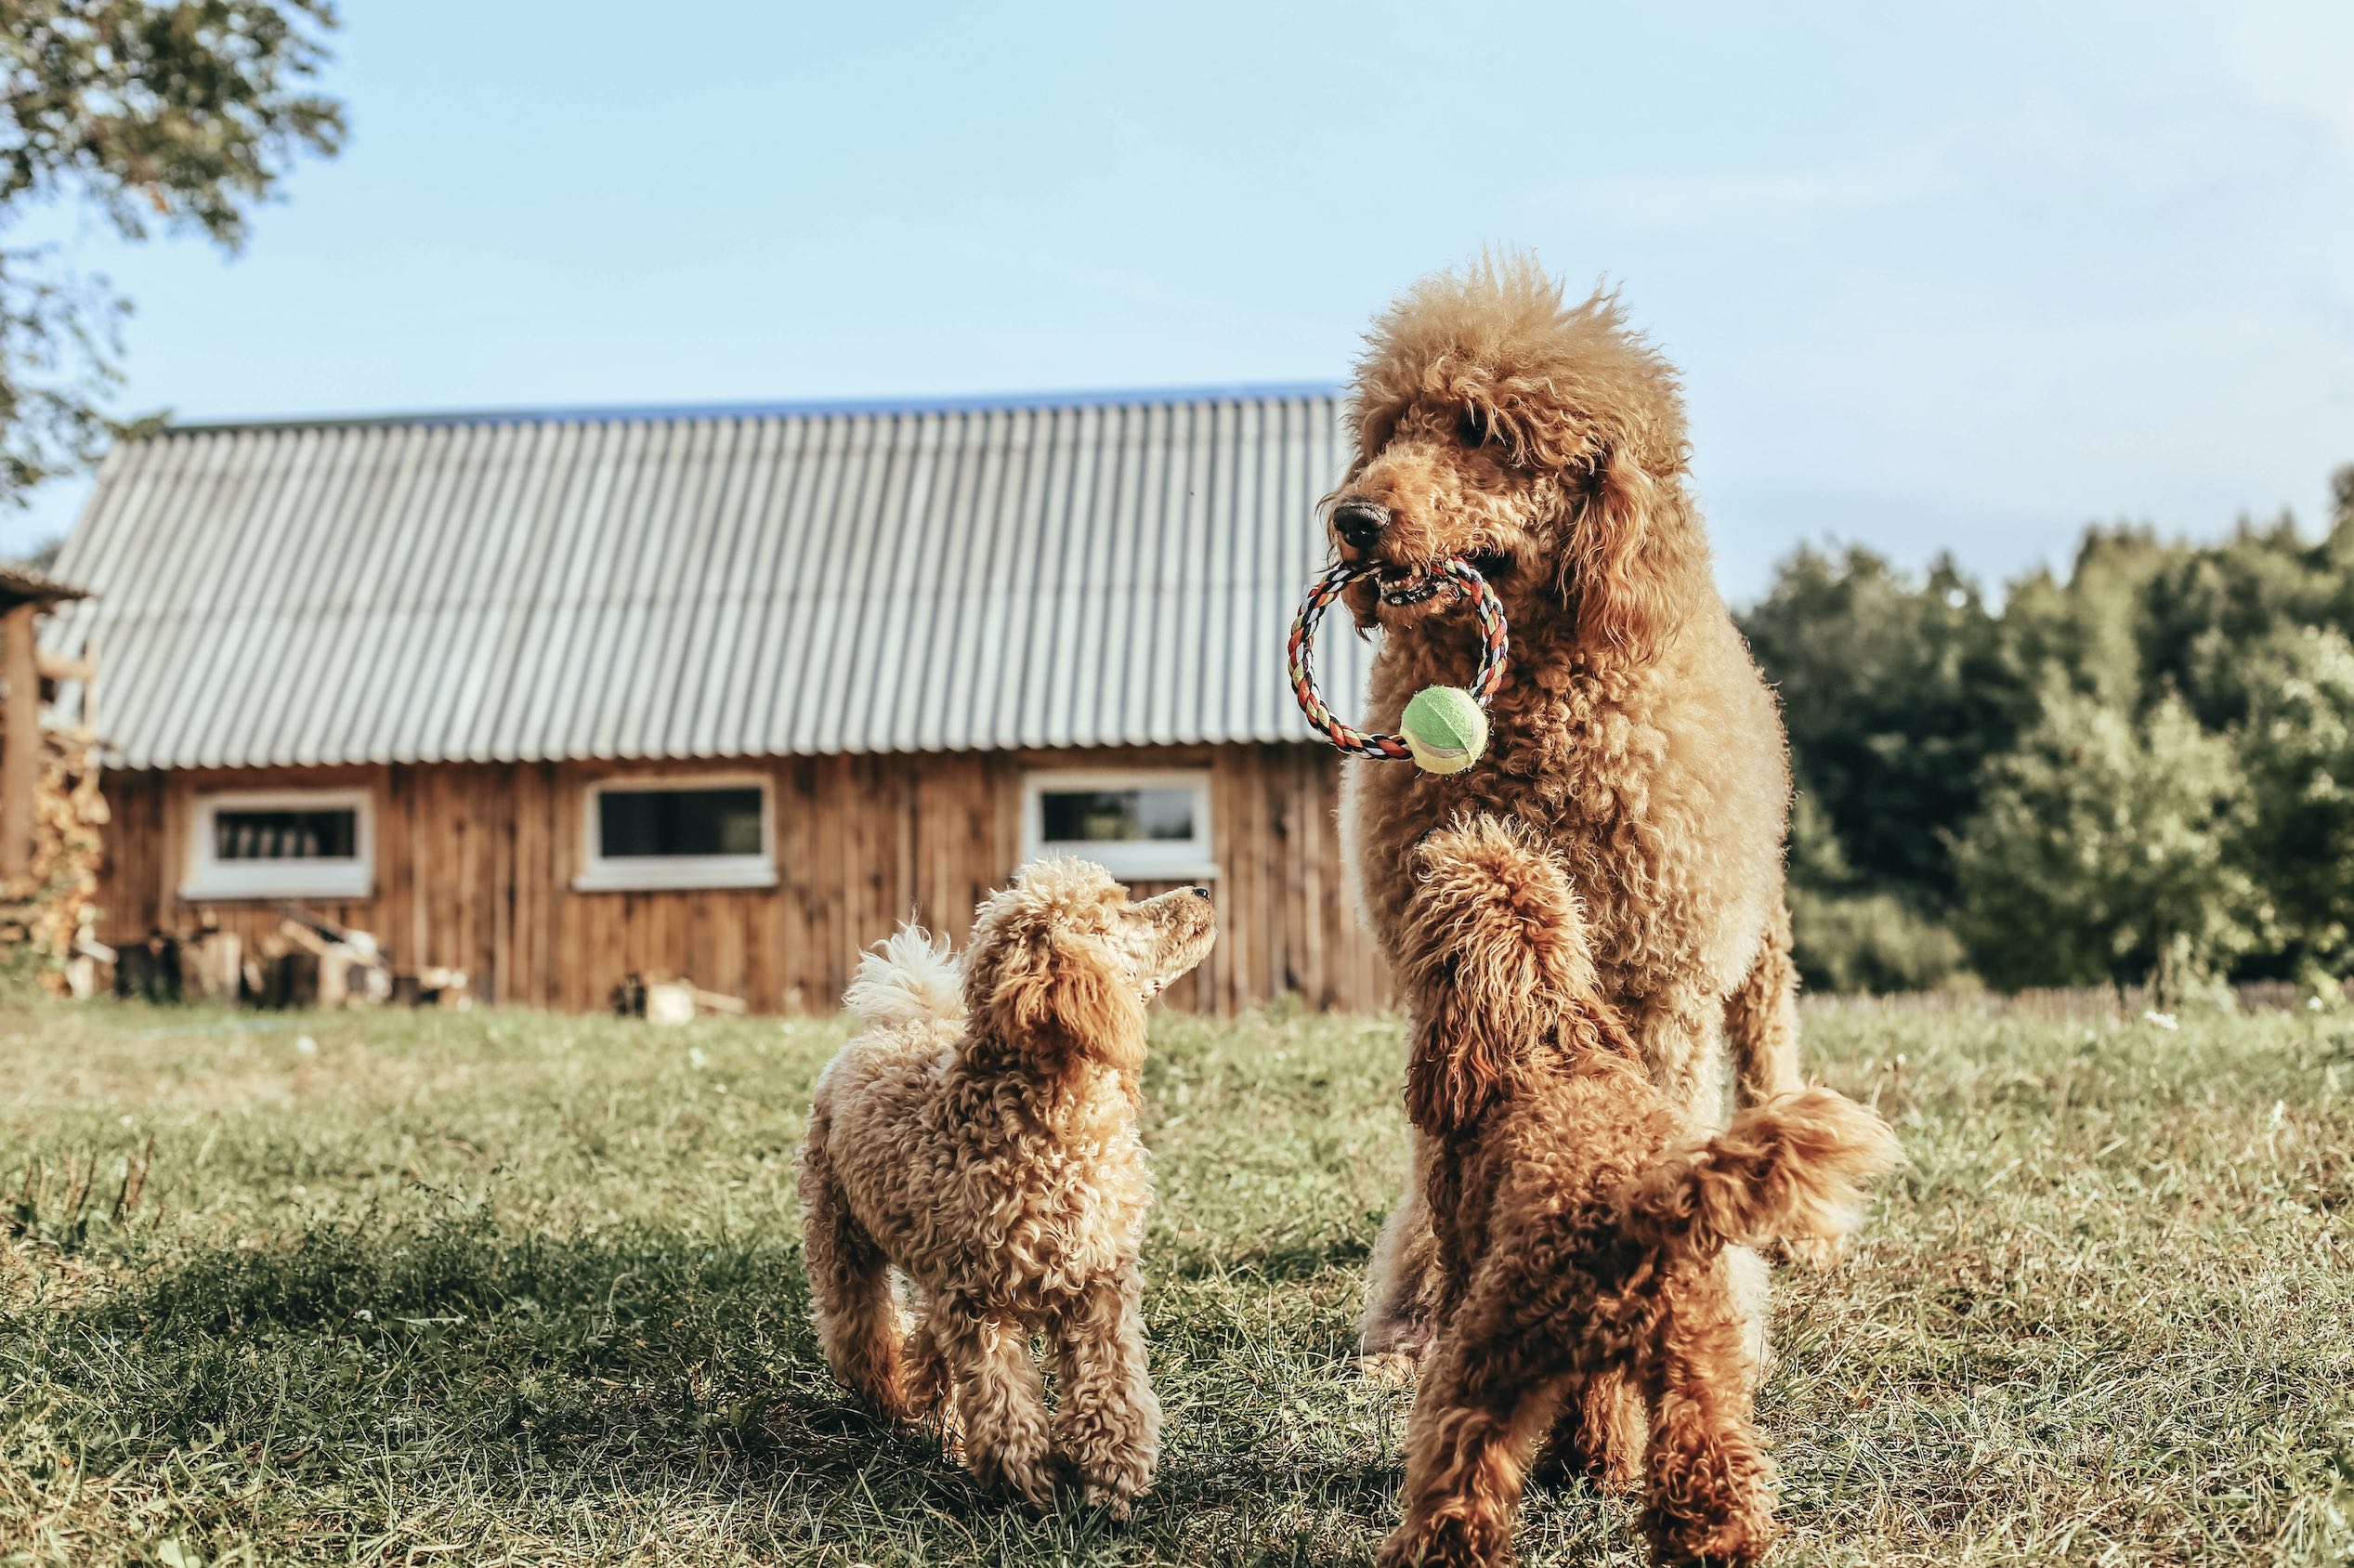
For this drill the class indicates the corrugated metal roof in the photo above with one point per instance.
(1071, 571)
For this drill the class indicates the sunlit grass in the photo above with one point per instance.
(505, 1287)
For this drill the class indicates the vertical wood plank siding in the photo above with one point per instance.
(475, 865)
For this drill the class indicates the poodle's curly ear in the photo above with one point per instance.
(1629, 553)
(1059, 998)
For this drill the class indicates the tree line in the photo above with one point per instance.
(2140, 771)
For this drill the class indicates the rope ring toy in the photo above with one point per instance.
(1445, 728)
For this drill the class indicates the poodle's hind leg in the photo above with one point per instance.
(1401, 1284)
(1106, 1422)
(1761, 1031)
(1761, 1019)
(1477, 1416)
(850, 1285)
(999, 1401)
(1708, 1484)
(923, 1375)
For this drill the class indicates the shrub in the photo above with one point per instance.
(1872, 943)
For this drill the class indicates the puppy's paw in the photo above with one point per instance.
(1390, 1369)
(1116, 1501)
(1448, 1541)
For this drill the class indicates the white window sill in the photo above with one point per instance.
(225, 890)
(1134, 869)
(668, 876)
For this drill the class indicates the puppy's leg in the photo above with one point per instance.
(997, 1399)
(923, 1375)
(1107, 1424)
(1480, 1408)
(1402, 1283)
(850, 1283)
(1599, 1435)
(1708, 1483)
(1761, 1019)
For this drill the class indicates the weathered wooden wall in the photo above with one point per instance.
(475, 866)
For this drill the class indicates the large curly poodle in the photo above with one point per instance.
(1633, 734)
(980, 1137)
(1583, 1219)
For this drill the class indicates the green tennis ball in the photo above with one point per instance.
(1445, 728)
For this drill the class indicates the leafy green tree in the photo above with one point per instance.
(182, 116)
(2108, 850)
(2208, 607)
(2086, 631)
(2297, 744)
(1894, 695)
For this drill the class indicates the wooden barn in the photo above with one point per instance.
(726, 693)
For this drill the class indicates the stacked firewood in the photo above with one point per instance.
(52, 907)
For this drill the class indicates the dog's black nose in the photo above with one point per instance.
(1201, 892)
(1359, 523)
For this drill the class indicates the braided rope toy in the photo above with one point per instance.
(1444, 727)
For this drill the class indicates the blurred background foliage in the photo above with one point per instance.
(2140, 771)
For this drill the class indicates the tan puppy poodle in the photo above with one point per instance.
(1582, 1220)
(981, 1139)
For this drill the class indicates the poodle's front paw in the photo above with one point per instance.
(1028, 1479)
(1111, 1475)
(1118, 1503)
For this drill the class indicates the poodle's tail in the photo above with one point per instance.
(1790, 1169)
(911, 978)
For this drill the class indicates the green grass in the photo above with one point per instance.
(501, 1287)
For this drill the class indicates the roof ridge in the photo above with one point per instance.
(680, 414)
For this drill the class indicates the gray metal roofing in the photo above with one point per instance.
(1085, 570)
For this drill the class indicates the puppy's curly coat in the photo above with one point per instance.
(1633, 733)
(983, 1142)
(1582, 1220)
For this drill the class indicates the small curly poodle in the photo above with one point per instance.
(982, 1140)
(1582, 1220)
(1498, 419)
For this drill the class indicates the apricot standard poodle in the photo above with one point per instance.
(1582, 1219)
(980, 1137)
(1633, 734)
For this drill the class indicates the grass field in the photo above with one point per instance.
(500, 1287)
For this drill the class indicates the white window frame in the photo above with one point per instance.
(638, 873)
(209, 877)
(1144, 860)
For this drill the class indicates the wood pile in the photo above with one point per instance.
(666, 1000)
(308, 961)
(51, 907)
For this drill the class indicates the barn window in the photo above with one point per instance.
(678, 832)
(281, 844)
(1150, 826)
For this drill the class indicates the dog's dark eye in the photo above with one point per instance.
(1470, 428)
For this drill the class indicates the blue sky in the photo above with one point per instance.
(1958, 278)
